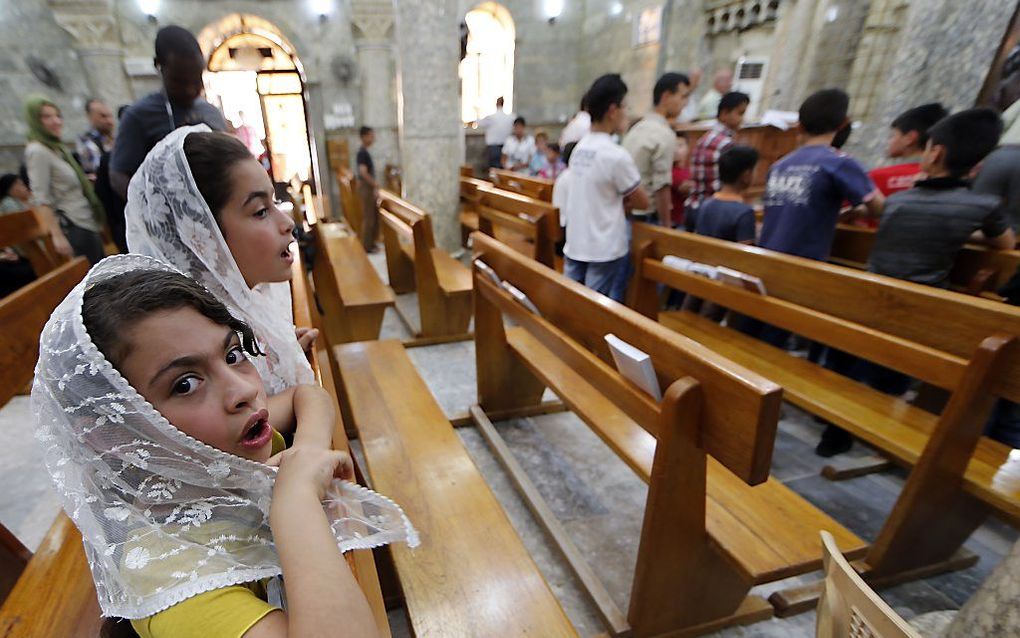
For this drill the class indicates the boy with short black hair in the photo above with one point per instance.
(908, 135)
(924, 228)
(807, 188)
(725, 215)
(705, 158)
(603, 181)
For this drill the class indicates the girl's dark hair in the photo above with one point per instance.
(211, 157)
(112, 305)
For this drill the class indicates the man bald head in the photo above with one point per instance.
(723, 81)
(180, 63)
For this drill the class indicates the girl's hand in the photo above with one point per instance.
(306, 468)
(306, 337)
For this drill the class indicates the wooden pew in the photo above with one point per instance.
(349, 199)
(530, 226)
(469, 201)
(27, 232)
(352, 295)
(306, 315)
(53, 594)
(978, 269)
(414, 263)
(471, 575)
(963, 344)
(538, 188)
(466, 171)
(392, 179)
(708, 535)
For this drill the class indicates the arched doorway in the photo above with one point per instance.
(487, 67)
(255, 77)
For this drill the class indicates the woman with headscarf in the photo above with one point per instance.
(62, 192)
(203, 204)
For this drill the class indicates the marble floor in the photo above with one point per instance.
(597, 498)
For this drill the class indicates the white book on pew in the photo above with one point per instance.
(635, 365)
(521, 298)
(750, 283)
(488, 271)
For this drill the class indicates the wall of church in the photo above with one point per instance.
(934, 63)
(27, 30)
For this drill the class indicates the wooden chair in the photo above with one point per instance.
(414, 263)
(352, 295)
(471, 575)
(849, 608)
(530, 226)
(538, 188)
(49, 593)
(708, 535)
(306, 315)
(979, 270)
(27, 232)
(963, 344)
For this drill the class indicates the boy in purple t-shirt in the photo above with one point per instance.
(806, 189)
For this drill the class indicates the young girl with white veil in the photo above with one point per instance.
(155, 428)
(203, 204)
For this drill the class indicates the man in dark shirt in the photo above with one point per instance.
(368, 191)
(180, 63)
(924, 228)
(725, 215)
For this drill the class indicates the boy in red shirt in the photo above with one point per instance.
(908, 135)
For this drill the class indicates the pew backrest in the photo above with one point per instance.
(23, 314)
(536, 220)
(26, 231)
(924, 332)
(538, 187)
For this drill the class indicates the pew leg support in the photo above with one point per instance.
(842, 470)
(797, 600)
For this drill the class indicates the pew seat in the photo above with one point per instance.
(766, 530)
(352, 295)
(897, 428)
(471, 575)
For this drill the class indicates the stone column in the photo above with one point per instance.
(373, 32)
(93, 26)
(428, 42)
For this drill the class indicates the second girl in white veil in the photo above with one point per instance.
(202, 203)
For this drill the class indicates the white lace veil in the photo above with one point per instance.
(163, 516)
(167, 218)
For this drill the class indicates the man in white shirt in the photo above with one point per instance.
(722, 83)
(497, 127)
(518, 148)
(652, 144)
(603, 181)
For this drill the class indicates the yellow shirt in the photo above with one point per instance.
(227, 612)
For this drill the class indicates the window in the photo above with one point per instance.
(487, 69)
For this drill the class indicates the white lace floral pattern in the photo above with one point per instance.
(163, 516)
(167, 218)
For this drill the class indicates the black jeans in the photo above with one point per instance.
(85, 243)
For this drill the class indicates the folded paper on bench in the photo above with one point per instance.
(635, 365)
(692, 267)
(750, 283)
